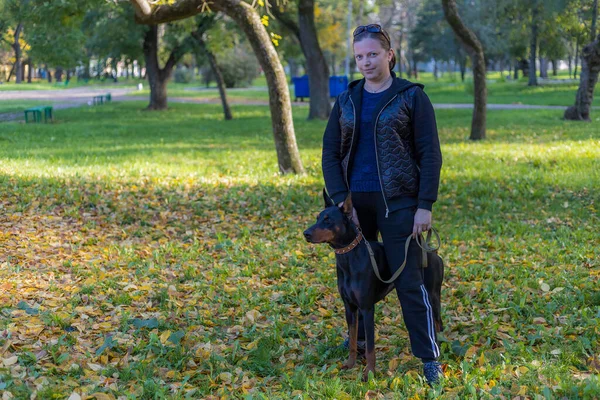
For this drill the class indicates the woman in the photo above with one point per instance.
(381, 144)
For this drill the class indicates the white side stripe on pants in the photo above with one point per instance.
(430, 326)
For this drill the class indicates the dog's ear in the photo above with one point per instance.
(347, 206)
(328, 201)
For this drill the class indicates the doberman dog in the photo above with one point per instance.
(358, 285)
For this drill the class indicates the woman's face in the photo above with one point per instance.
(372, 60)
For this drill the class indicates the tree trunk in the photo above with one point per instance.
(318, 72)
(435, 69)
(316, 65)
(361, 12)
(248, 19)
(58, 74)
(576, 58)
(49, 74)
(554, 67)
(463, 68)
(113, 70)
(590, 67)
(400, 54)
(293, 68)
(543, 67)
(333, 66)
(473, 47)
(570, 61)
(23, 65)
(221, 84)
(415, 68)
(29, 70)
(533, 45)
(216, 72)
(516, 73)
(157, 77)
(524, 66)
(279, 96)
(594, 19)
(18, 54)
(462, 61)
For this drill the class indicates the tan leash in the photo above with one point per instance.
(425, 247)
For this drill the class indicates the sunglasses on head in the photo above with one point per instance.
(373, 28)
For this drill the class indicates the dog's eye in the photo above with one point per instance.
(326, 219)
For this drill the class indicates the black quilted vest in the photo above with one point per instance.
(397, 166)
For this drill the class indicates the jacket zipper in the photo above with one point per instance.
(351, 140)
(387, 210)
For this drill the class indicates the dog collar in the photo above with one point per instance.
(351, 246)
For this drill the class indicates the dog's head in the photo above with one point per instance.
(333, 222)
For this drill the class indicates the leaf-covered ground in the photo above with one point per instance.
(159, 255)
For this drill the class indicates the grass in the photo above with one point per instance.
(14, 106)
(160, 255)
(447, 89)
(562, 94)
(201, 92)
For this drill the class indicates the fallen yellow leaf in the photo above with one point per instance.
(10, 360)
(165, 336)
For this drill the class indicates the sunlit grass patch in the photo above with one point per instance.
(160, 255)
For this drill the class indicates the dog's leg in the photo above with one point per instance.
(352, 320)
(434, 276)
(369, 320)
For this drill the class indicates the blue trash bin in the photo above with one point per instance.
(301, 89)
(337, 84)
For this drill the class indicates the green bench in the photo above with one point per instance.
(59, 84)
(36, 114)
(100, 99)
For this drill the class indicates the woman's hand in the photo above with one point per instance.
(422, 222)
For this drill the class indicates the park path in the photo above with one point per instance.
(59, 98)
(76, 97)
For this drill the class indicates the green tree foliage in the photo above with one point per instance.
(54, 31)
(112, 32)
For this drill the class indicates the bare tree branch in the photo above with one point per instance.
(146, 14)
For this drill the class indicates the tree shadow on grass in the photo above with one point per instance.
(226, 265)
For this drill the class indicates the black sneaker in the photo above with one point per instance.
(360, 347)
(433, 372)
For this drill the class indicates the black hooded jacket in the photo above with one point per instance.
(408, 152)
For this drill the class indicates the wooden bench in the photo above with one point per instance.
(36, 113)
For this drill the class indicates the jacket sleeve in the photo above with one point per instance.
(427, 146)
(331, 162)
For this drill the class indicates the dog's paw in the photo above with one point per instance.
(349, 364)
(365, 377)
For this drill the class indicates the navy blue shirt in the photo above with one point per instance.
(364, 176)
